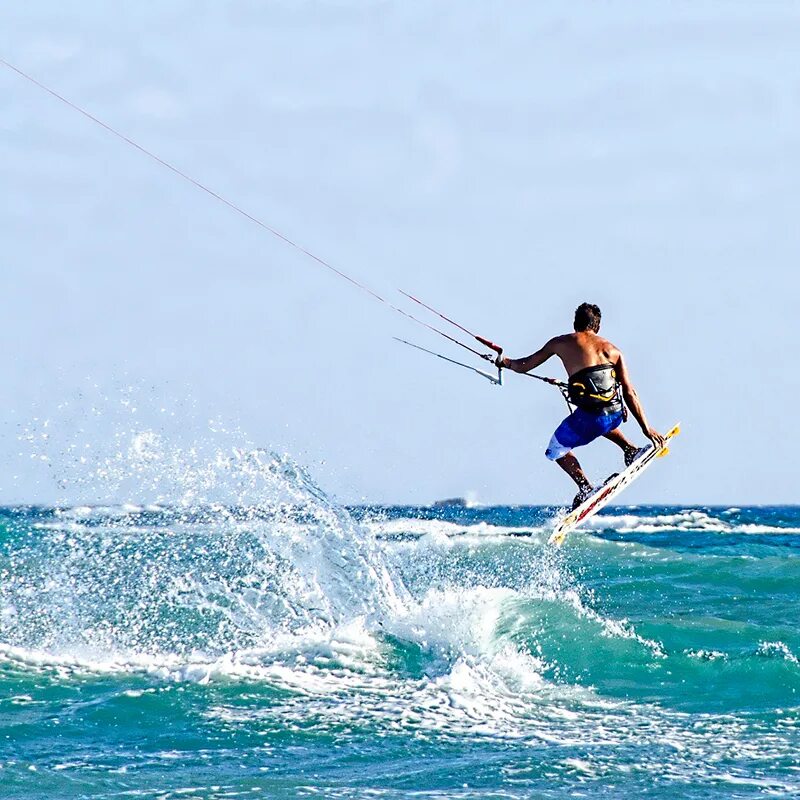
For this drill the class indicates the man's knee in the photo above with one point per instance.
(556, 450)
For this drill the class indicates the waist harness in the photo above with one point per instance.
(595, 389)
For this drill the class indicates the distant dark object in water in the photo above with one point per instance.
(460, 502)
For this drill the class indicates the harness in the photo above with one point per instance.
(596, 390)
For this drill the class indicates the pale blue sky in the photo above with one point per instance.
(503, 161)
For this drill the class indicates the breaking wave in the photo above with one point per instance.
(615, 520)
(220, 564)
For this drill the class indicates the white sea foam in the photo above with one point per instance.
(265, 579)
(707, 655)
(436, 528)
(779, 649)
(686, 520)
(248, 550)
(474, 681)
(689, 520)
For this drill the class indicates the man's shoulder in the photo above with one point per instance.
(610, 345)
(612, 350)
(564, 338)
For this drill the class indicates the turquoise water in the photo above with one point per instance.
(292, 648)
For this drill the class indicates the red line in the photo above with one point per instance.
(236, 208)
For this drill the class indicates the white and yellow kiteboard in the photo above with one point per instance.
(609, 490)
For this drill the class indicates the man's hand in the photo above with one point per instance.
(655, 437)
(500, 361)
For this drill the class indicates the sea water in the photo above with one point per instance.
(270, 643)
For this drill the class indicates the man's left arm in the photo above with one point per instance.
(631, 398)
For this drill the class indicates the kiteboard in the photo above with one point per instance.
(609, 490)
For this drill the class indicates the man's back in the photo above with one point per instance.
(583, 349)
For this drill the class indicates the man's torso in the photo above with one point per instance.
(585, 349)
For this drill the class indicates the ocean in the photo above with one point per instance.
(276, 644)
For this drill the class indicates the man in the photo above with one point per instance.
(597, 372)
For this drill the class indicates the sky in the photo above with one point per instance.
(504, 162)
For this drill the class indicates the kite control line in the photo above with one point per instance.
(239, 210)
(229, 203)
(498, 351)
(486, 343)
(498, 381)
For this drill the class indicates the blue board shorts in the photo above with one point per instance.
(580, 428)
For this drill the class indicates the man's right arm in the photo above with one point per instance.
(529, 362)
(634, 404)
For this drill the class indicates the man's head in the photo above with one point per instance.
(587, 317)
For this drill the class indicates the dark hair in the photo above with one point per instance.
(587, 317)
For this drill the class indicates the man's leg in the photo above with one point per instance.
(618, 437)
(628, 448)
(572, 467)
(560, 450)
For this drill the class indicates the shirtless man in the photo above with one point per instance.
(597, 373)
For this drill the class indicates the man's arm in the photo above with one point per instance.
(635, 405)
(529, 362)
